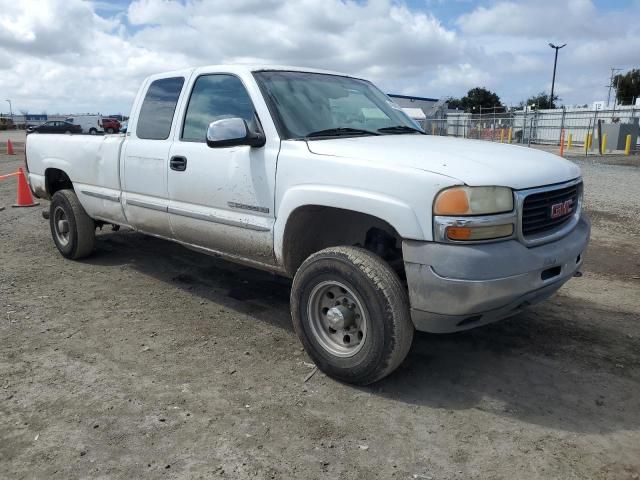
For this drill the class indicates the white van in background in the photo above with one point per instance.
(91, 124)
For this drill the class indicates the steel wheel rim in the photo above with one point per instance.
(337, 318)
(61, 226)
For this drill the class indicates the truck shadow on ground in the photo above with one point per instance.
(246, 290)
(566, 364)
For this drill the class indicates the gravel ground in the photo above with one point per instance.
(149, 360)
(613, 190)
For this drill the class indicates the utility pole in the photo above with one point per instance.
(555, 63)
(613, 72)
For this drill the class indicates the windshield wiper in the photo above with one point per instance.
(400, 129)
(340, 132)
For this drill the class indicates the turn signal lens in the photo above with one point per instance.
(453, 201)
(460, 201)
(479, 233)
(459, 233)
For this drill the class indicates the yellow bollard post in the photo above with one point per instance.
(502, 135)
(509, 135)
(569, 141)
(604, 143)
(589, 140)
(627, 146)
(433, 129)
(586, 142)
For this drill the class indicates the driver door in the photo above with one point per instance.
(221, 199)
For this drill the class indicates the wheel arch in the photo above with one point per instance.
(309, 220)
(56, 179)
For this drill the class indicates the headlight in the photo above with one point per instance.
(467, 214)
(461, 201)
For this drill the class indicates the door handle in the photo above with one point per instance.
(178, 163)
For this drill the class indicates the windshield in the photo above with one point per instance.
(320, 105)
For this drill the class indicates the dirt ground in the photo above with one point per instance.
(148, 360)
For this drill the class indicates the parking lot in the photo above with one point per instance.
(150, 360)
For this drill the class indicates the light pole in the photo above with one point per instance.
(555, 63)
(10, 110)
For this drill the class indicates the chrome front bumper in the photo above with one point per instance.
(457, 287)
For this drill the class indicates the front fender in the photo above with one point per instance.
(392, 210)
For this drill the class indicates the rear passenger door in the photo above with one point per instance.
(145, 157)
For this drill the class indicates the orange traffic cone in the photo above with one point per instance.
(24, 197)
(10, 148)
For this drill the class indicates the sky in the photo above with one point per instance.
(73, 56)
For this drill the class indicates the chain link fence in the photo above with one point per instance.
(534, 126)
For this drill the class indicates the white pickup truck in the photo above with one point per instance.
(319, 176)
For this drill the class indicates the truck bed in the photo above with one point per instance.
(92, 163)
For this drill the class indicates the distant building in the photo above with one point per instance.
(37, 118)
(425, 104)
(415, 114)
(427, 112)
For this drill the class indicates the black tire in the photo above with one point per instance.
(93, 131)
(385, 300)
(68, 132)
(80, 231)
(109, 130)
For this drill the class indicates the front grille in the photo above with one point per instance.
(537, 209)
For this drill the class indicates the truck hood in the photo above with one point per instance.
(473, 162)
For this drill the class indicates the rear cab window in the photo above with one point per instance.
(158, 108)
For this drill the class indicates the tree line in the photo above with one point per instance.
(480, 98)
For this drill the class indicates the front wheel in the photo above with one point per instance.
(351, 313)
(72, 229)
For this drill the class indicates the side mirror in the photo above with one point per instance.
(231, 132)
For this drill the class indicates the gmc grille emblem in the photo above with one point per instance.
(561, 209)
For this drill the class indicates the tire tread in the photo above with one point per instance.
(85, 226)
(387, 282)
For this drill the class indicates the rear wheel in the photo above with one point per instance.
(93, 131)
(73, 231)
(109, 130)
(352, 314)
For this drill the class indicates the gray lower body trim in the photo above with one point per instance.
(211, 218)
(269, 267)
(150, 206)
(102, 196)
(198, 216)
(440, 323)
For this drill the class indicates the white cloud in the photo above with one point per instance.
(542, 18)
(464, 75)
(60, 55)
(515, 35)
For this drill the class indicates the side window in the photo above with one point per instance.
(215, 97)
(158, 107)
